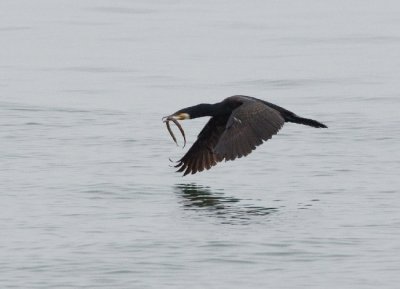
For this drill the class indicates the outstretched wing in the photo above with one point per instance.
(201, 155)
(247, 127)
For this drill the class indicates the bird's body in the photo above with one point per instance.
(237, 125)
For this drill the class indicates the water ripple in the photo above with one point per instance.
(216, 204)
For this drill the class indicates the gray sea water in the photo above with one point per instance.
(87, 195)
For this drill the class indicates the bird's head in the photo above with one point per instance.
(179, 115)
(203, 109)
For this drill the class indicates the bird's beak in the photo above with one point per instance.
(179, 116)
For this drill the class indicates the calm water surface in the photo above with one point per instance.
(88, 197)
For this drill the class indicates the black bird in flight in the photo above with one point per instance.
(237, 125)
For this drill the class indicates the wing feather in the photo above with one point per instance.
(201, 155)
(249, 125)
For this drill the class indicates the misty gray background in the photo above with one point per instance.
(87, 195)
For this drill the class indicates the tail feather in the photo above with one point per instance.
(305, 121)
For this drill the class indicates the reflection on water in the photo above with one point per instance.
(215, 203)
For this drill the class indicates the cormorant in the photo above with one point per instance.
(237, 125)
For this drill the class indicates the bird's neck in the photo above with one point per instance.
(206, 109)
(213, 109)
